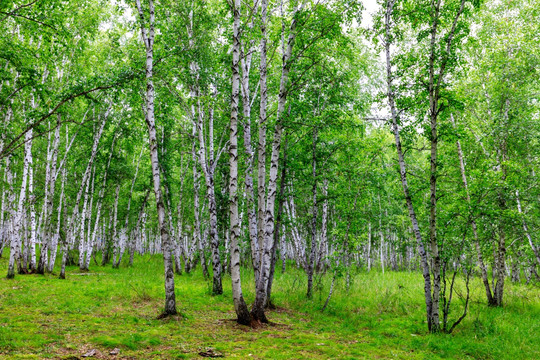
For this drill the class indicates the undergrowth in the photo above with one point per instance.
(380, 316)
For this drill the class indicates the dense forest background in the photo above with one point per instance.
(330, 137)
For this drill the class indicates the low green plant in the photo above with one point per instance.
(381, 316)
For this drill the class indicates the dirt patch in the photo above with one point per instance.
(211, 353)
(88, 351)
(87, 274)
(255, 326)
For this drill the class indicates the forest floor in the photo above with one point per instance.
(381, 317)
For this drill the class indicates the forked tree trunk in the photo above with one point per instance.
(434, 86)
(257, 311)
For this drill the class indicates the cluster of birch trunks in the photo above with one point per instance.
(80, 211)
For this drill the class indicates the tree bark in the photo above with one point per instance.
(526, 230)
(33, 225)
(245, 63)
(50, 183)
(368, 251)
(403, 170)
(56, 236)
(480, 259)
(281, 200)
(82, 238)
(101, 194)
(313, 243)
(119, 250)
(321, 262)
(15, 255)
(140, 219)
(196, 206)
(257, 311)
(148, 39)
(240, 307)
(381, 234)
(74, 217)
(261, 157)
(3, 238)
(208, 167)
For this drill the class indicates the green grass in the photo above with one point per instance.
(381, 317)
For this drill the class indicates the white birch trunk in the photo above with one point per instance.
(245, 63)
(82, 234)
(74, 217)
(324, 228)
(208, 167)
(261, 160)
(526, 230)
(92, 242)
(89, 222)
(119, 249)
(368, 252)
(480, 260)
(16, 247)
(115, 237)
(381, 234)
(240, 307)
(3, 226)
(262, 285)
(56, 236)
(50, 183)
(402, 166)
(313, 244)
(148, 39)
(33, 225)
(140, 219)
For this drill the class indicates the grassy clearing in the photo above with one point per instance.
(381, 317)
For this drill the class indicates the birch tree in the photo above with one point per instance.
(74, 219)
(15, 254)
(440, 51)
(240, 307)
(148, 34)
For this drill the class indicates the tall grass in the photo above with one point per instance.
(380, 316)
